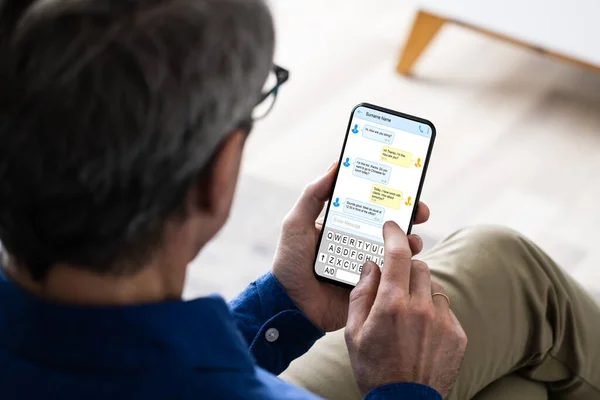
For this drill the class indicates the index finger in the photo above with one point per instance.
(397, 258)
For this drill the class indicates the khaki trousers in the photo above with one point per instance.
(533, 332)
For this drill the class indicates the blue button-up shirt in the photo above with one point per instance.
(200, 349)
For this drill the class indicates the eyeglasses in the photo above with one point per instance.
(277, 77)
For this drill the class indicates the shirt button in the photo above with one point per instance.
(272, 335)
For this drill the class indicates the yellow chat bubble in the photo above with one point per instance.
(396, 156)
(386, 197)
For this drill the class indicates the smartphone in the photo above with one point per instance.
(379, 178)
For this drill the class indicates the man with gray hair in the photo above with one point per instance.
(122, 126)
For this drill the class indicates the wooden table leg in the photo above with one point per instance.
(424, 29)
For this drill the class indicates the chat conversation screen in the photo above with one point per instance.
(396, 156)
(373, 171)
(381, 168)
(381, 135)
(386, 196)
(364, 210)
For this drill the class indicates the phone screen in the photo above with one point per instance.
(380, 175)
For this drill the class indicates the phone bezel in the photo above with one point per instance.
(419, 190)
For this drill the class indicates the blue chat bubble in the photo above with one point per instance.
(364, 210)
(381, 135)
(372, 171)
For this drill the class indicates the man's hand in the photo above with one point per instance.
(396, 331)
(326, 305)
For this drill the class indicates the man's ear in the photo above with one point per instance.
(223, 176)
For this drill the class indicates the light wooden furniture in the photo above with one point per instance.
(564, 30)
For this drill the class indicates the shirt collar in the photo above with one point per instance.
(170, 335)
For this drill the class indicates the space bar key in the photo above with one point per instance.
(347, 276)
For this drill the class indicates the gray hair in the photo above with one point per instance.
(109, 110)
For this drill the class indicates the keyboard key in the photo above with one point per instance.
(347, 276)
(345, 254)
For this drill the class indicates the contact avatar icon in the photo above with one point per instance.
(355, 129)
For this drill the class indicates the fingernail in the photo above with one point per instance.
(366, 270)
(389, 224)
(332, 166)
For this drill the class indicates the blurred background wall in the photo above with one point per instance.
(518, 135)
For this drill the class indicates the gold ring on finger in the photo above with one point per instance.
(442, 294)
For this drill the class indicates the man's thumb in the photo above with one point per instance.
(363, 295)
(313, 198)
